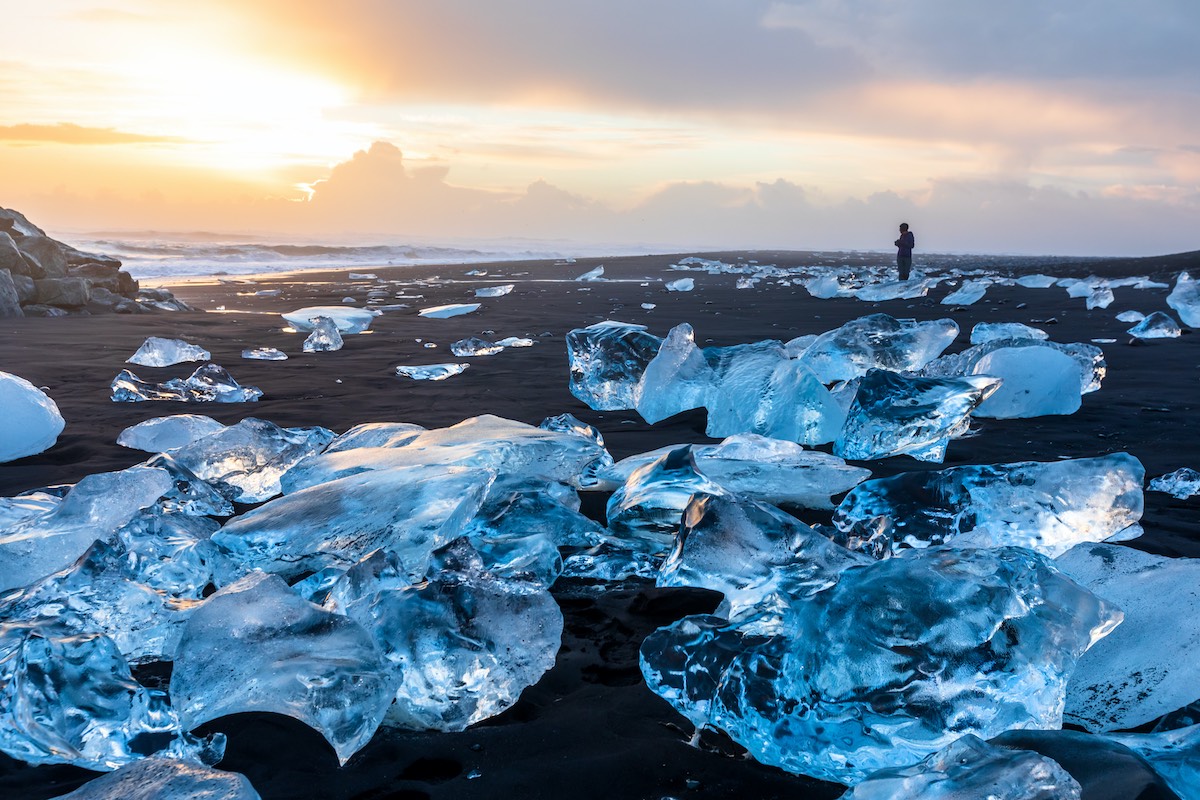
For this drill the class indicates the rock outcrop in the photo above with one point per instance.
(43, 277)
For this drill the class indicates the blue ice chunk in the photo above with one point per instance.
(877, 341)
(160, 778)
(607, 361)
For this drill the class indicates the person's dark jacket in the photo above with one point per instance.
(906, 243)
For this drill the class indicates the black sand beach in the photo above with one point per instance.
(589, 728)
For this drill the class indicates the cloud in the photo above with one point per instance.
(68, 133)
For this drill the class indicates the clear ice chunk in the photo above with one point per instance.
(447, 311)
(1181, 484)
(475, 346)
(190, 495)
(677, 379)
(1185, 299)
(567, 423)
(893, 662)
(1100, 298)
(991, 331)
(408, 510)
(495, 291)
(245, 461)
(827, 286)
(1035, 382)
(1092, 366)
(515, 341)
(1048, 507)
(877, 341)
(170, 553)
(681, 285)
(256, 645)
(210, 383)
(348, 320)
(972, 769)
(1130, 316)
(607, 361)
(264, 354)
(324, 337)
(32, 421)
(160, 434)
(596, 274)
(896, 415)
(649, 505)
(1037, 281)
(1147, 667)
(160, 778)
(970, 293)
(431, 372)
(159, 352)
(463, 644)
(375, 434)
(1158, 325)
(69, 698)
(1174, 755)
(894, 290)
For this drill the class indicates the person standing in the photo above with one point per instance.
(904, 248)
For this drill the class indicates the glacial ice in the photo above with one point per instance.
(984, 332)
(826, 287)
(447, 311)
(170, 553)
(159, 352)
(245, 461)
(1100, 298)
(210, 383)
(264, 354)
(894, 290)
(1185, 299)
(1180, 484)
(649, 505)
(32, 421)
(475, 346)
(1158, 325)
(677, 379)
(431, 372)
(256, 645)
(1130, 316)
(1174, 754)
(969, 293)
(893, 414)
(324, 337)
(348, 320)
(877, 341)
(595, 274)
(771, 470)
(1037, 281)
(1092, 366)
(495, 291)
(374, 434)
(1048, 507)
(409, 510)
(896, 660)
(515, 341)
(972, 769)
(160, 778)
(607, 361)
(463, 644)
(190, 495)
(1035, 382)
(681, 285)
(160, 434)
(70, 699)
(1147, 667)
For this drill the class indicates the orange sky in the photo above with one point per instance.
(809, 123)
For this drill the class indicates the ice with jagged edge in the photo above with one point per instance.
(163, 778)
(431, 372)
(462, 645)
(772, 470)
(895, 290)
(970, 293)
(447, 311)
(877, 341)
(681, 285)
(475, 346)
(984, 332)
(515, 341)
(1036, 281)
(972, 769)
(1180, 484)
(70, 698)
(825, 287)
(161, 434)
(1035, 382)
(594, 274)
(324, 338)
(210, 383)
(1044, 506)
(159, 352)
(408, 510)
(1158, 325)
(598, 457)
(347, 320)
(375, 434)
(1173, 752)
(648, 507)
(566, 453)
(892, 414)
(264, 354)
(894, 661)
(495, 291)
(607, 361)
(190, 495)
(678, 378)
(94, 508)
(1147, 667)
(32, 421)
(1185, 299)
(256, 645)
(1092, 366)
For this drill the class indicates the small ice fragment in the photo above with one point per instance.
(1037, 281)
(210, 383)
(649, 306)
(1100, 298)
(514, 341)
(1104, 341)
(681, 285)
(1180, 484)
(431, 372)
(264, 354)
(596, 274)
(429, 345)
(745, 283)
(268, 293)
(324, 337)
(362, 276)
(1158, 325)
(474, 346)
(476, 273)
(31, 421)
(349, 300)
(159, 352)
(993, 331)
(1130, 316)
(452, 310)
(968, 294)
(160, 434)
(495, 291)
(348, 320)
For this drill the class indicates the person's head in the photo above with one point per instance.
(903, 227)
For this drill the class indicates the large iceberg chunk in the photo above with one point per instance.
(893, 662)
(893, 414)
(1048, 507)
(31, 421)
(159, 352)
(1036, 382)
(1185, 299)
(1092, 366)
(210, 383)
(877, 341)
(1147, 668)
(607, 361)
(347, 320)
(972, 769)
(258, 646)
(159, 778)
(677, 379)
(324, 338)
(160, 434)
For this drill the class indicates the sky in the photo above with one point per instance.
(1015, 127)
